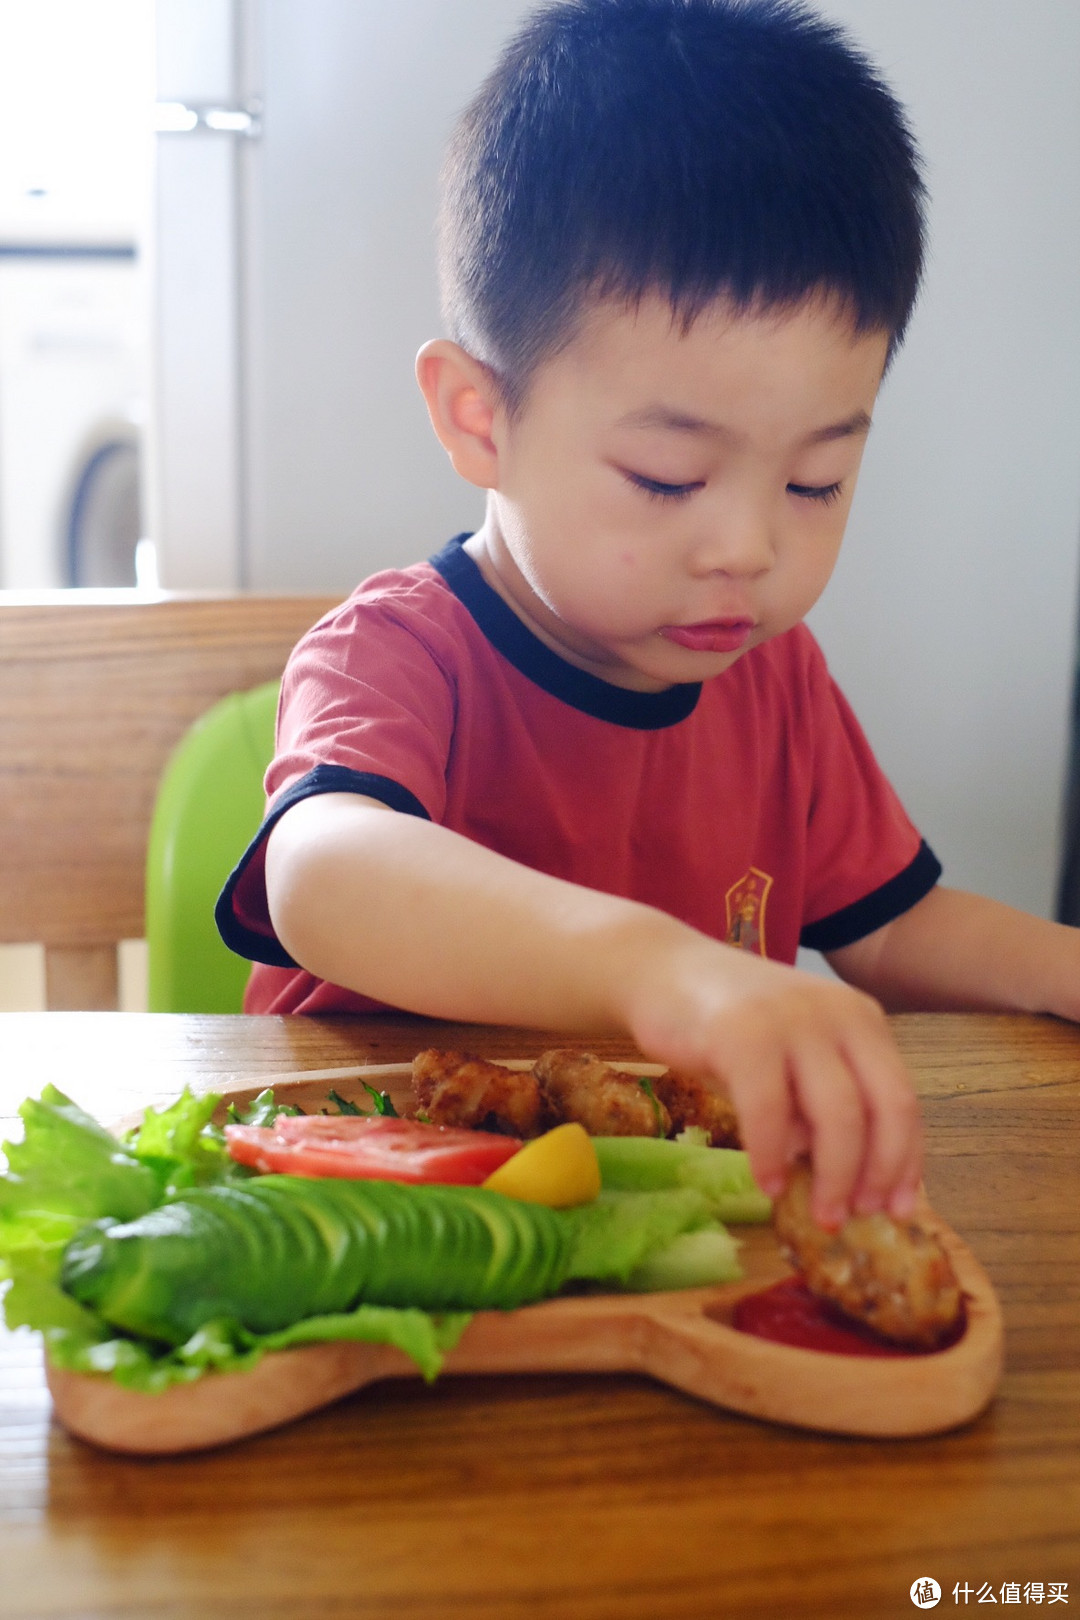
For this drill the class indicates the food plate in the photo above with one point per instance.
(682, 1339)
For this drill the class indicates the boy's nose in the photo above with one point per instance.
(738, 543)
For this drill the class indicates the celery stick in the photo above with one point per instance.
(691, 1260)
(650, 1164)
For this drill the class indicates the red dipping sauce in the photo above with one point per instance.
(788, 1313)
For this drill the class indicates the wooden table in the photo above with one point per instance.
(575, 1498)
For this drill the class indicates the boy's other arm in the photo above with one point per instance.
(959, 952)
(416, 915)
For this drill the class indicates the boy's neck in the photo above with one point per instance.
(489, 552)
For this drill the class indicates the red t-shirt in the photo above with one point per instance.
(750, 806)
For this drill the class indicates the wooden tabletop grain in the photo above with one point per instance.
(576, 1498)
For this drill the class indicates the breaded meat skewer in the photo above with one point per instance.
(689, 1102)
(891, 1275)
(606, 1101)
(455, 1088)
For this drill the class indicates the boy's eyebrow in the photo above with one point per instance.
(859, 423)
(663, 416)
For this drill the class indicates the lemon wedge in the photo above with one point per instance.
(558, 1169)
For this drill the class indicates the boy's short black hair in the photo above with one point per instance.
(695, 148)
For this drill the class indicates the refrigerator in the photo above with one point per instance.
(75, 78)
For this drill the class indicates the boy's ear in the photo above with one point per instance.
(462, 401)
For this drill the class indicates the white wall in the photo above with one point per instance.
(951, 620)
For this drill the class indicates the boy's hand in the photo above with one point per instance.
(810, 1065)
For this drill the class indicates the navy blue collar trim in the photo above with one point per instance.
(639, 711)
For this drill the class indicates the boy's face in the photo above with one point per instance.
(666, 500)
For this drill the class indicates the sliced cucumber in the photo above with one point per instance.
(272, 1251)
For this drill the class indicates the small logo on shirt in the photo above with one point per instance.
(746, 911)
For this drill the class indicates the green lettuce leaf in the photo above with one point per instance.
(421, 1335)
(262, 1110)
(69, 1165)
(36, 1300)
(180, 1144)
(225, 1346)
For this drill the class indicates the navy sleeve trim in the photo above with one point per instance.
(875, 910)
(249, 942)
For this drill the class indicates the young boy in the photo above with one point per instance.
(585, 769)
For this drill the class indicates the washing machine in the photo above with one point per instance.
(73, 386)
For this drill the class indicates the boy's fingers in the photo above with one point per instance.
(831, 1102)
(763, 1104)
(896, 1188)
(809, 1101)
(892, 1163)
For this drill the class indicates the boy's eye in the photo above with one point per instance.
(660, 491)
(826, 493)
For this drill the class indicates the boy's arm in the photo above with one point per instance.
(407, 911)
(961, 952)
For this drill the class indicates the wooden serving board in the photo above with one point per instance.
(683, 1339)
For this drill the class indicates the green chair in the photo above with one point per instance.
(208, 808)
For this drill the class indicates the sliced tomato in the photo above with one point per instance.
(375, 1149)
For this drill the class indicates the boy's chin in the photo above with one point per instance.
(661, 664)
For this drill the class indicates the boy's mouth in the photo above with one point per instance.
(714, 635)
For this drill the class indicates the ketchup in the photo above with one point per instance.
(788, 1313)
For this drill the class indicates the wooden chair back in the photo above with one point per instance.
(96, 688)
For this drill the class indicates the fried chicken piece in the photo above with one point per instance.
(689, 1102)
(455, 1088)
(606, 1101)
(891, 1275)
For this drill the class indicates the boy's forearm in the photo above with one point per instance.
(415, 915)
(960, 952)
